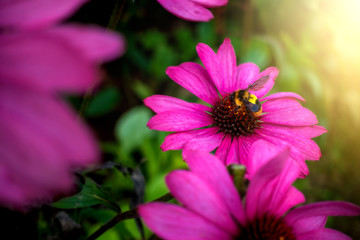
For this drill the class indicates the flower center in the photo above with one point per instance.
(232, 114)
(267, 228)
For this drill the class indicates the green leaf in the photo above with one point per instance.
(156, 187)
(160, 53)
(163, 57)
(103, 102)
(185, 43)
(258, 51)
(153, 38)
(206, 33)
(91, 194)
(131, 129)
(141, 89)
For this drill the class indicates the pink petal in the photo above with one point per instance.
(235, 149)
(303, 131)
(46, 139)
(212, 64)
(173, 222)
(283, 95)
(161, 103)
(310, 224)
(94, 43)
(305, 146)
(283, 196)
(326, 233)
(211, 3)
(326, 208)
(227, 60)
(279, 104)
(223, 150)
(187, 10)
(283, 200)
(195, 79)
(36, 13)
(40, 61)
(261, 152)
(246, 74)
(15, 197)
(36, 181)
(245, 144)
(204, 144)
(287, 111)
(259, 192)
(295, 153)
(198, 196)
(299, 116)
(179, 120)
(233, 155)
(46, 117)
(272, 72)
(178, 140)
(210, 168)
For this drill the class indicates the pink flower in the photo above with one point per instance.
(232, 124)
(192, 10)
(33, 14)
(212, 208)
(42, 140)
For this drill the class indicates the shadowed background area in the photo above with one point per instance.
(314, 44)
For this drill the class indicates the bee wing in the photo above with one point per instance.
(258, 84)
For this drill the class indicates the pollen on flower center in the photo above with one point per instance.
(232, 118)
(267, 228)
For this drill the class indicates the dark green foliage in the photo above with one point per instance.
(91, 194)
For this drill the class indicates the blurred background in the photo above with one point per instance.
(314, 44)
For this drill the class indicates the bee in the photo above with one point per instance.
(242, 97)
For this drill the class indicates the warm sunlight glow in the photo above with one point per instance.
(344, 20)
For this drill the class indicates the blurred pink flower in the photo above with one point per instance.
(33, 14)
(224, 125)
(41, 139)
(192, 10)
(213, 209)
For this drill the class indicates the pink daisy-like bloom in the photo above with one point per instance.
(192, 10)
(213, 209)
(233, 121)
(42, 140)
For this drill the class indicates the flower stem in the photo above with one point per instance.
(116, 14)
(113, 22)
(118, 218)
(237, 171)
(86, 100)
(123, 216)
